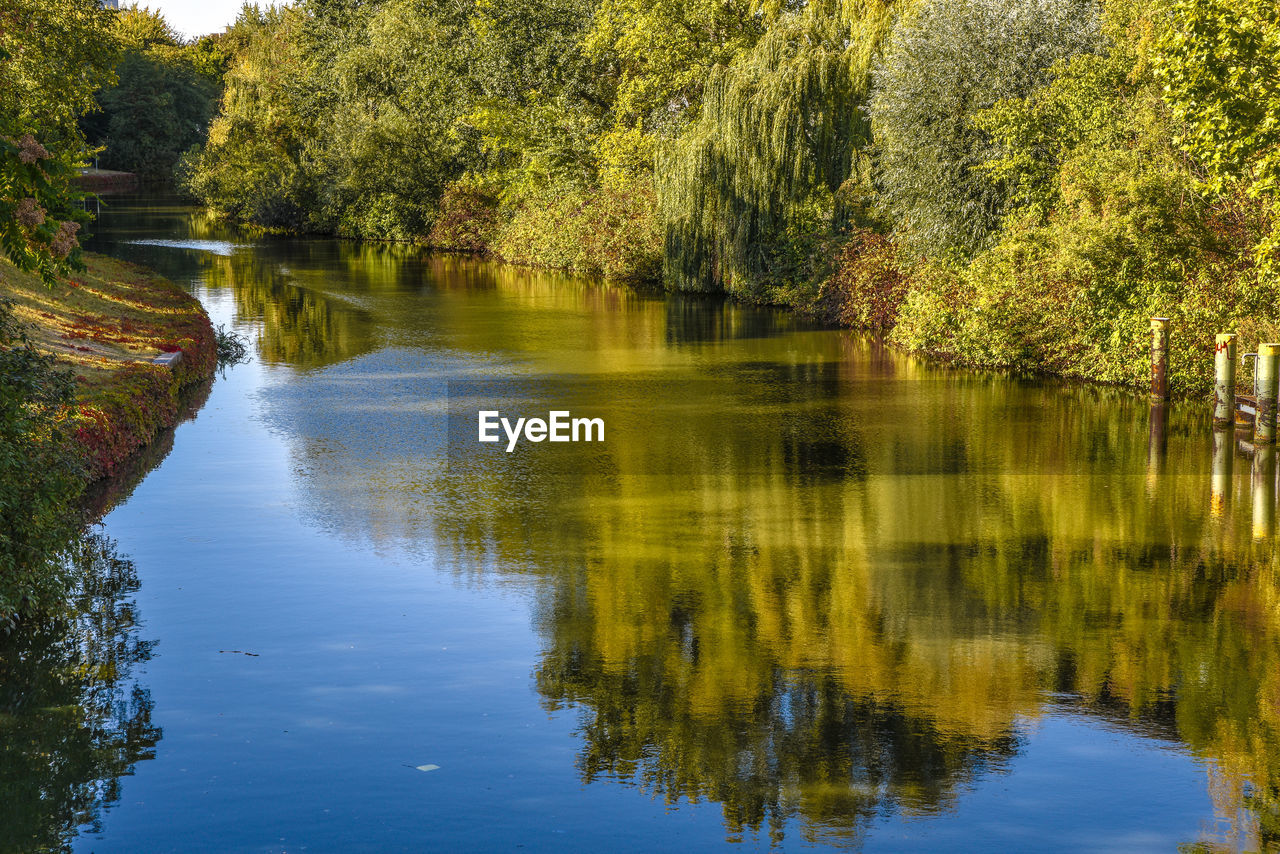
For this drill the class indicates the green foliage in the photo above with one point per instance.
(941, 67)
(39, 218)
(1220, 63)
(663, 52)
(779, 134)
(155, 113)
(251, 167)
(53, 56)
(1110, 225)
(353, 118)
(610, 231)
(385, 149)
(39, 471)
(161, 102)
(138, 29)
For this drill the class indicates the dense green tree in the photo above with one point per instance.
(1220, 62)
(1107, 223)
(154, 113)
(388, 142)
(942, 66)
(161, 101)
(661, 54)
(252, 165)
(53, 57)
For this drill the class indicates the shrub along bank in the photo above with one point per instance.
(78, 396)
(105, 325)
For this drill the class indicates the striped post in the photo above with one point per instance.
(1268, 376)
(1224, 380)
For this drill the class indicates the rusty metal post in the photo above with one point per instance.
(1224, 380)
(1157, 438)
(1264, 491)
(1224, 457)
(1157, 445)
(1159, 358)
(1268, 377)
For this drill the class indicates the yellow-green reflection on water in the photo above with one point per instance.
(806, 576)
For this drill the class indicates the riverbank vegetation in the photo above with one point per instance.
(77, 392)
(104, 325)
(1011, 184)
(79, 396)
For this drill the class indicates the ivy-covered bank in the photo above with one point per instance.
(79, 395)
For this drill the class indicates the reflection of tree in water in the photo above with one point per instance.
(922, 611)
(72, 720)
(847, 602)
(300, 326)
(700, 319)
(803, 749)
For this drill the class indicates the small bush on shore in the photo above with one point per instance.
(868, 286)
(611, 231)
(233, 348)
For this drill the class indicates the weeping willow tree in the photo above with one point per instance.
(747, 190)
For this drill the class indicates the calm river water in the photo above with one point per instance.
(809, 593)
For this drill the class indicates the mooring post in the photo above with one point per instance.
(1224, 448)
(1268, 377)
(1264, 491)
(1157, 445)
(1157, 437)
(1224, 380)
(1159, 358)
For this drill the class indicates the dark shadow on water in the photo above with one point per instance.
(74, 719)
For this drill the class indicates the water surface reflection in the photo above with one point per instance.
(821, 584)
(74, 717)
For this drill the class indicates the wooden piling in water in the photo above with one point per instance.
(1268, 383)
(1224, 380)
(1159, 358)
(1157, 437)
(1224, 454)
(1264, 491)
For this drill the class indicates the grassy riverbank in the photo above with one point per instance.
(106, 325)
